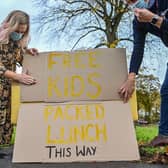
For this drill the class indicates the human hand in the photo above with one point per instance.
(127, 89)
(32, 51)
(143, 15)
(25, 79)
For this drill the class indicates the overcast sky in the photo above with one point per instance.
(38, 42)
(26, 5)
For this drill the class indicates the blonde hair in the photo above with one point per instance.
(11, 23)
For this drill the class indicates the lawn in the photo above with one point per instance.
(146, 133)
(150, 154)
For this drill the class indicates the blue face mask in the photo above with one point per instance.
(16, 36)
(140, 4)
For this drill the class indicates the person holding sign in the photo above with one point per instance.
(14, 37)
(155, 21)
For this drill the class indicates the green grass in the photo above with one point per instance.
(146, 133)
(13, 135)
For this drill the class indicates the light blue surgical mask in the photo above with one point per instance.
(140, 4)
(16, 36)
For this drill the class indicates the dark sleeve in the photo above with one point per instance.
(164, 25)
(139, 34)
(2, 67)
(164, 30)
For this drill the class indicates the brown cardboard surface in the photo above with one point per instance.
(94, 74)
(29, 133)
(36, 67)
(104, 130)
(56, 132)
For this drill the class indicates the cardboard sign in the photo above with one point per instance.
(67, 132)
(88, 126)
(75, 76)
(15, 104)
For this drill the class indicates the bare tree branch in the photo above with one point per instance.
(81, 17)
(83, 37)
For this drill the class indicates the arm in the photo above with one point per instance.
(144, 15)
(163, 25)
(128, 87)
(139, 35)
(7, 73)
(22, 78)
